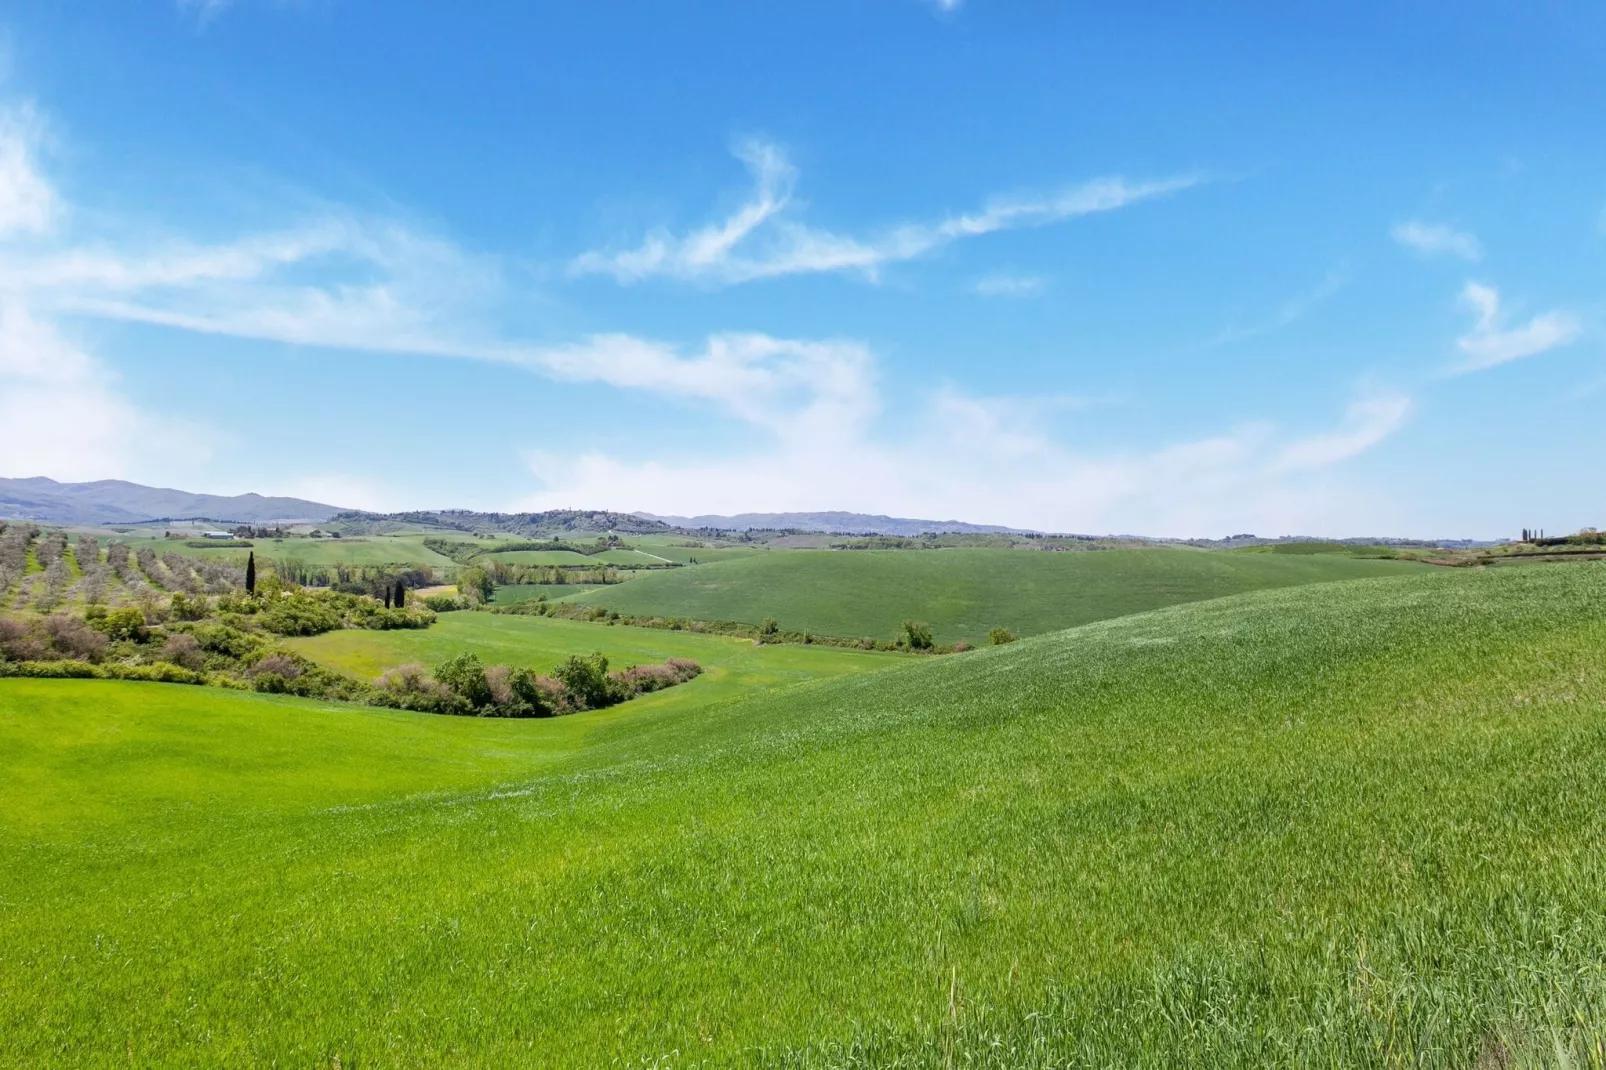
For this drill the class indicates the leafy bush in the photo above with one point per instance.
(1000, 636)
(300, 614)
(476, 583)
(917, 635)
(226, 640)
(189, 607)
(378, 618)
(465, 675)
(587, 682)
(517, 692)
(52, 670)
(410, 687)
(121, 624)
(641, 679)
(442, 603)
(161, 672)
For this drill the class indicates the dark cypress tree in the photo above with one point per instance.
(251, 573)
(387, 595)
(401, 595)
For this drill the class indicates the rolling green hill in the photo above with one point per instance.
(571, 559)
(732, 667)
(962, 593)
(1355, 824)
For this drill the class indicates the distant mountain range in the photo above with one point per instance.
(112, 501)
(834, 523)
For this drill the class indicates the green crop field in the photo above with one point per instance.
(1353, 824)
(962, 593)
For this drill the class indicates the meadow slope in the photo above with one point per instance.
(1353, 824)
(962, 593)
(731, 667)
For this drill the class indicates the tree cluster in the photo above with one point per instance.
(465, 685)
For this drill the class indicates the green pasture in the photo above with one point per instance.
(962, 593)
(672, 548)
(571, 559)
(1355, 824)
(1315, 547)
(731, 667)
(514, 593)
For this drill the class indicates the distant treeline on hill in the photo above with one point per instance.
(464, 552)
(1587, 537)
(470, 522)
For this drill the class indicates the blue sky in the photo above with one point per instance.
(1166, 268)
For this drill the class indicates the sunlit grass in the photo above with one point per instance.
(963, 593)
(1353, 824)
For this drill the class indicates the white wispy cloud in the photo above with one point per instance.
(64, 415)
(1368, 422)
(762, 239)
(975, 457)
(1437, 239)
(28, 203)
(1003, 284)
(61, 409)
(1292, 310)
(1490, 342)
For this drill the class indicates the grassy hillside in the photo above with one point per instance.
(962, 593)
(514, 593)
(571, 559)
(674, 548)
(731, 667)
(1348, 825)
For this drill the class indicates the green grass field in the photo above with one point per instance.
(671, 548)
(1345, 825)
(962, 593)
(731, 667)
(571, 559)
(514, 593)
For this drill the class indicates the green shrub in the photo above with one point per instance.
(465, 675)
(476, 582)
(442, 603)
(300, 614)
(52, 670)
(184, 607)
(586, 680)
(161, 672)
(1000, 636)
(917, 635)
(226, 640)
(121, 624)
